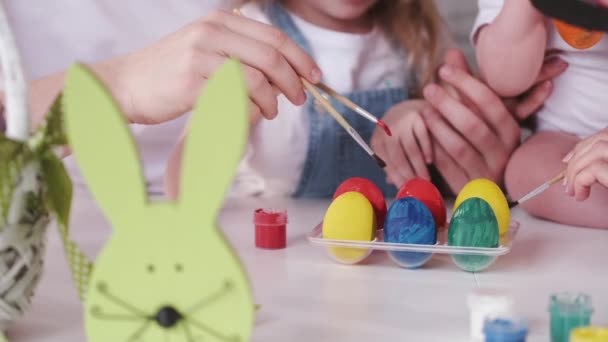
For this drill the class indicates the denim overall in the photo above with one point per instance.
(333, 156)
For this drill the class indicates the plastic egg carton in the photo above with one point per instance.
(470, 259)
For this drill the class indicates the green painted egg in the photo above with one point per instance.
(473, 224)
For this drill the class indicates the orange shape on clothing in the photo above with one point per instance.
(577, 37)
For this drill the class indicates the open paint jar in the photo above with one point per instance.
(568, 311)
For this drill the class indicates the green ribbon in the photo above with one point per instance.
(56, 184)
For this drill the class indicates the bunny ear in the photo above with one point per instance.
(102, 144)
(216, 139)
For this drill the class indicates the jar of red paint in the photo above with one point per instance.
(270, 229)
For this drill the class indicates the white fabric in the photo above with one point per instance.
(54, 34)
(579, 102)
(350, 62)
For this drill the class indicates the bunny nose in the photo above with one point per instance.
(167, 317)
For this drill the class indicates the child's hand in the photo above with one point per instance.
(409, 150)
(587, 165)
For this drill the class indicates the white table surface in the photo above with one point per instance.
(305, 296)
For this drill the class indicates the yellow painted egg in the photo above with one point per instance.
(493, 195)
(349, 217)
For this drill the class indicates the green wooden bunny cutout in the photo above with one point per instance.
(166, 274)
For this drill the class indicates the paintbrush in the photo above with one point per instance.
(351, 131)
(538, 190)
(355, 107)
(338, 117)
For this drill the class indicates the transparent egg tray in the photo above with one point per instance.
(470, 259)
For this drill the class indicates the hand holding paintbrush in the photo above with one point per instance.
(339, 118)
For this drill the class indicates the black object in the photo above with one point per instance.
(167, 317)
(585, 14)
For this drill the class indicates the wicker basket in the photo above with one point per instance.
(22, 246)
(24, 214)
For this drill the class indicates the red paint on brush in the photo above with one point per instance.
(384, 127)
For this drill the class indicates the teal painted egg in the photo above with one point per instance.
(473, 224)
(409, 221)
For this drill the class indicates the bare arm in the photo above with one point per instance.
(163, 81)
(511, 49)
(525, 173)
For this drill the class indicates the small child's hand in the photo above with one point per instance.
(587, 165)
(408, 152)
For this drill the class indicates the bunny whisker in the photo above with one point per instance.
(97, 312)
(137, 334)
(187, 332)
(212, 298)
(104, 291)
(212, 332)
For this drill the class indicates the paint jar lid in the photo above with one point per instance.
(505, 329)
(487, 303)
(270, 228)
(269, 217)
(589, 334)
(570, 304)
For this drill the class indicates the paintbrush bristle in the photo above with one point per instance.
(379, 161)
(387, 130)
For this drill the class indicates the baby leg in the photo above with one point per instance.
(538, 160)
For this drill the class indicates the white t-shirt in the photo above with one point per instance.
(350, 62)
(54, 34)
(579, 102)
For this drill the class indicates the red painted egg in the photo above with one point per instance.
(427, 193)
(368, 189)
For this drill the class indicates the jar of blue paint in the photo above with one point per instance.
(505, 330)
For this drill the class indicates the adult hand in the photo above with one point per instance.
(474, 133)
(587, 165)
(163, 81)
(408, 151)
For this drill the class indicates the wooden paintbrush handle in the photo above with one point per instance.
(557, 178)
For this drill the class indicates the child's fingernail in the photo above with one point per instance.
(315, 75)
(446, 71)
(568, 157)
(547, 85)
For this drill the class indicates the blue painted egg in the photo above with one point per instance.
(473, 224)
(409, 221)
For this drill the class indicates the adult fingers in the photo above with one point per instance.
(495, 113)
(254, 53)
(454, 145)
(465, 124)
(260, 91)
(277, 39)
(455, 58)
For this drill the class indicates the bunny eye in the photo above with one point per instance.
(150, 268)
(179, 268)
